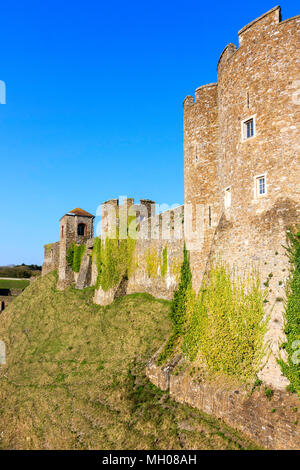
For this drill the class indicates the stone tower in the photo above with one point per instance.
(201, 184)
(242, 162)
(76, 226)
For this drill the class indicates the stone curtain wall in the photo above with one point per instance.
(162, 231)
(259, 243)
(51, 258)
(156, 234)
(272, 423)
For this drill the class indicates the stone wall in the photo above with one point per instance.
(11, 294)
(162, 231)
(271, 422)
(155, 233)
(84, 278)
(201, 183)
(5, 300)
(51, 258)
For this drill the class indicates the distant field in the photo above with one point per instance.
(22, 271)
(13, 283)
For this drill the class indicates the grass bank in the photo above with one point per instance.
(75, 379)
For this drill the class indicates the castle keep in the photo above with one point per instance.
(241, 176)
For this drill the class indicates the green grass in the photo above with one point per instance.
(75, 377)
(13, 283)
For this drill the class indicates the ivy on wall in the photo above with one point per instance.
(70, 255)
(178, 312)
(96, 253)
(114, 258)
(175, 268)
(152, 262)
(221, 328)
(227, 324)
(74, 256)
(164, 262)
(291, 368)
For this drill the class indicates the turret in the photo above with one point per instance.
(76, 226)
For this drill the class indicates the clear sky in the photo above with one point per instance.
(94, 103)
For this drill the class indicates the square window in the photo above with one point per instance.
(248, 128)
(260, 185)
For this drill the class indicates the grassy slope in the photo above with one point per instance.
(74, 377)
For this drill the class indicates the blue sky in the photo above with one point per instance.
(94, 103)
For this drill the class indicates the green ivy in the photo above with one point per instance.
(70, 255)
(292, 326)
(96, 254)
(164, 264)
(114, 259)
(74, 256)
(152, 262)
(179, 303)
(227, 324)
(223, 327)
(178, 312)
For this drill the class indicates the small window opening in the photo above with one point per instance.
(260, 185)
(248, 128)
(227, 197)
(209, 216)
(196, 154)
(81, 229)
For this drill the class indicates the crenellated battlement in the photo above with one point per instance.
(257, 34)
(227, 53)
(266, 20)
(200, 94)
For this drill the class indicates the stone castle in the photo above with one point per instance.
(241, 180)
